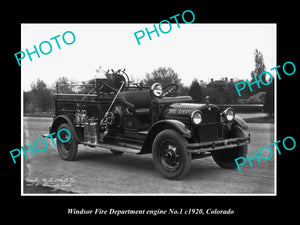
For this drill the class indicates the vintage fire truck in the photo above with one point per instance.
(125, 117)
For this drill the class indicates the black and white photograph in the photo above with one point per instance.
(175, 108)
(180, 112)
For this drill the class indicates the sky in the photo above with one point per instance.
(195, 50)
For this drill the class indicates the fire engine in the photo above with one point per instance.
(122, 116)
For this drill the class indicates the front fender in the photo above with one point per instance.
(175, 124)
(240, 122)
(67, 118)
(162, 125)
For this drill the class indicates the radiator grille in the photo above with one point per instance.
(210, 129)
(210, 116)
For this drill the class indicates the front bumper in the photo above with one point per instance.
(218, 145)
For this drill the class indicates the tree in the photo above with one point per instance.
(27, 102)
(40, 96)
(63, 87)
(184, 91)
(231, 94)
(195, 91)
(164, 76)
(269, 100)
(259, 68)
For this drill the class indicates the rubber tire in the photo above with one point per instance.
(225, 158)
(115, 152)
(69, 153)
(181, 146)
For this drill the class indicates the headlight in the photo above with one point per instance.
(156, 90)
(196, 117)
(229, 114)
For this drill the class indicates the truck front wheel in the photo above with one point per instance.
(170, 156)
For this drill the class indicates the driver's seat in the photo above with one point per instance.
(138, 102)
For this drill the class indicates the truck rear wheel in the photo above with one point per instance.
(115, 152)
(67, 145)
(225, 158)
(170, 156)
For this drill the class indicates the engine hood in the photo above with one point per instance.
(186, 109)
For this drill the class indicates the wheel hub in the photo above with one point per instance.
(169, 158)
(170, 153)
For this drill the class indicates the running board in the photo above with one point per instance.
(128, 148)
(125, 148)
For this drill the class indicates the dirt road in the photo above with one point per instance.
(98, 171)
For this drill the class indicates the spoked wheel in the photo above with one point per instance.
(67, 146)
(170, 155)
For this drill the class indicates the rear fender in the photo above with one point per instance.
(162, 125)
(67, 118)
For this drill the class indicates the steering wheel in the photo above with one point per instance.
(170, 89)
